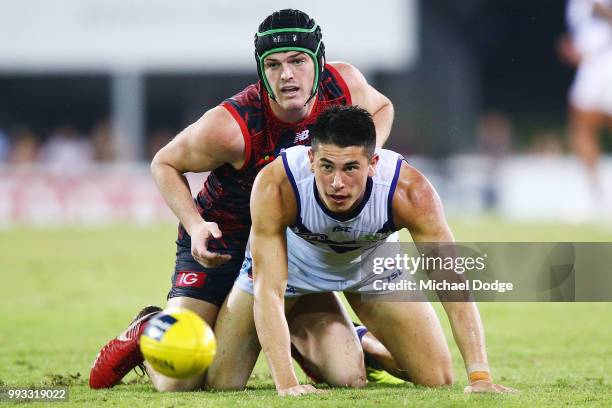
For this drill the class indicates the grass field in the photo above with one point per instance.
(67, 291)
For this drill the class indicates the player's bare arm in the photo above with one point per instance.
(417, 207)
(211, 141)
(366, 96)
(273, 208)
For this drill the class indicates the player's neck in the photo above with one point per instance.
(356, 204)
(352, 212)
(291, 116)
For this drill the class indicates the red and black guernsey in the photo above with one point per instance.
(225, 196)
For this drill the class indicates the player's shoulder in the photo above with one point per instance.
(272, 177)
(388, 166)
(249, 96)
(388, 155)
(215, 138)
(218, 126)
(350, 74)
(208, 143)
(289, 167)
(414, 194)
(246, 109)
(295, 153)
(412, 183)
(273, 194)
(345, 69)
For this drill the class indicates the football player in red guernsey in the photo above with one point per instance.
(234, 141)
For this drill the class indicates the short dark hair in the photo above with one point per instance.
(345, 126)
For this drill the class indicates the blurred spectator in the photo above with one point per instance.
(4, 146)
(495, 142)
(159, 139)
(494, 134)
(66, 150)
(547, 143)
(25, 147)
(102, 140)
(590, 97)
(567, 52)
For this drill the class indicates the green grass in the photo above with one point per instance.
(67, 291)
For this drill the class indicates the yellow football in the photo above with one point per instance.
(178, 343)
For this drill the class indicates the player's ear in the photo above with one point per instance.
(372, 165)
(311, 158)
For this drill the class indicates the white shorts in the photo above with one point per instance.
(358, 278)
(591, 90)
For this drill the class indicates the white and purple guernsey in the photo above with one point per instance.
(326, 250)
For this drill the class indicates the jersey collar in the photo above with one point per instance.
(349, 215)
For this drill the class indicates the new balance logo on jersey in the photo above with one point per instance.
(340, 228)
(301, 136)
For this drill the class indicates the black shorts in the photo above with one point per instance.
(193, 280)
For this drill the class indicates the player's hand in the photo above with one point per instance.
(298, 390)
(200, 235)
(488, 387)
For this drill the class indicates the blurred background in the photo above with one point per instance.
(91, 89)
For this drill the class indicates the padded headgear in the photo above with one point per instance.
(289, 30)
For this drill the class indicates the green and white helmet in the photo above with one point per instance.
(289, 30)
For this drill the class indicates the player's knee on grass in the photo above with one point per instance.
(230, 373)
(227, 384)
(175, 387)
(208, 312)
(435, 371)
(343, 368)
(351, 380)
(434, 377)
(229, 377)
(237, 344)
(332, 351)
(166, 384)
(337, 374)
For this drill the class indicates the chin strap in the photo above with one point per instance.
(309, 99)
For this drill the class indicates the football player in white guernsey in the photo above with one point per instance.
(590, 96)
(355, 196)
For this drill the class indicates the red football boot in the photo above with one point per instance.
(121, 354)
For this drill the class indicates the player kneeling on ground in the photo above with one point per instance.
(234, 141)
(317, 212)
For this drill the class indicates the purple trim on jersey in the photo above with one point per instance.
(294, 187)
(298, 227)
(398, 167)
(361, 331)
(351, 214)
